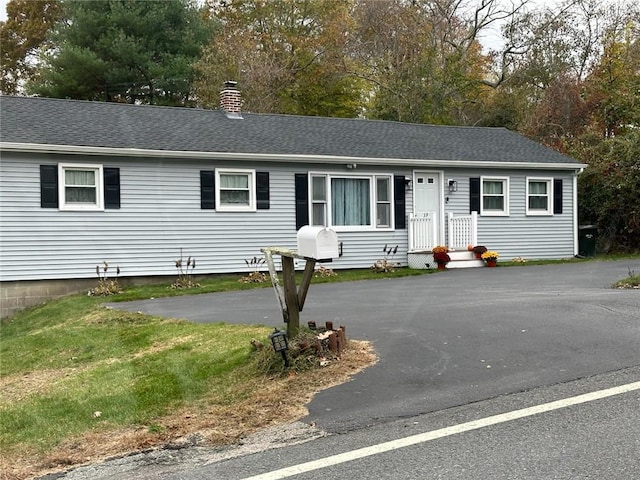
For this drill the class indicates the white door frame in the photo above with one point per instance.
(438, 176)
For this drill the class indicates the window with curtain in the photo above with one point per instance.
(539, 194)
(82, 187)
(235, 189)
(494, 192)
(350, 201)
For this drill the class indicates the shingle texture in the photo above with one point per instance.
(98, 124)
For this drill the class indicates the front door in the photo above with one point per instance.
(427, 204)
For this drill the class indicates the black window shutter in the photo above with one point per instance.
(399, 202)
(557, 196)
(474, 195)
(111, 187)
(302, 200)
(49, 186)
(262, 190)
(207, 189)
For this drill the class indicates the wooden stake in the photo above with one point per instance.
(291, 296)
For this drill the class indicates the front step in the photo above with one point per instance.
(464, 259)
(459, 259)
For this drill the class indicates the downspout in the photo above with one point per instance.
(575, 211)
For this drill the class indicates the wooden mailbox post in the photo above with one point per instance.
(290, 297)
(315, 244)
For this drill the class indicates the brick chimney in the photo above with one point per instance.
(230, 100)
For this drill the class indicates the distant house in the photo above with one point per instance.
(84, 182)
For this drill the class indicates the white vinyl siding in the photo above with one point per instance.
(519, 235)
(539, 196)
(80, 187)
(160, 214)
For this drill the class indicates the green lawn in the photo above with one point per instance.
(83, 358)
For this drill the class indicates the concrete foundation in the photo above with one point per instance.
(17, 295)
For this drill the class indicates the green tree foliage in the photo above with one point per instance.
(613, 88)
(422, 59)
(288, 56)
(118, 50)
(21, 36)
(609, 189)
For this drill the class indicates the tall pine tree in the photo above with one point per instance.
(124, 51)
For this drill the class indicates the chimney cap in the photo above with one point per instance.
(230, 84)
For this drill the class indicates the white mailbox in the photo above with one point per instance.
(320, 243)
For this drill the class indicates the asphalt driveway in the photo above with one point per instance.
(454, 337)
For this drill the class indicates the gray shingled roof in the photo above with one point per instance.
(98, 124)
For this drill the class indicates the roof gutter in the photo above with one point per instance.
(265, 157)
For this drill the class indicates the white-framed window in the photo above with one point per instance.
(319, 200)
(539, 196)
(351, 202)
(494, 196)
(235, 190)
(383, 201)
(81, 187)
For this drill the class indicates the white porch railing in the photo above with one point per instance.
(422, 231)
(423, 236)
(463, 230)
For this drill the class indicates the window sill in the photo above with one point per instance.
(539, 214)
(80, 208)
(491, 214)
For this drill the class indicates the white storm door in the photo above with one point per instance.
(427, 202)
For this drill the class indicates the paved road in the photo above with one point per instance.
(455, 337)
(592, 440)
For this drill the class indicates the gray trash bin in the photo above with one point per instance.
(587, 237)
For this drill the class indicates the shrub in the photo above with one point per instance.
(256, 276)
(386, 264)
(185, 272)
(106, 286)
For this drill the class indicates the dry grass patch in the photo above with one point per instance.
(212, 421)
(16, 388)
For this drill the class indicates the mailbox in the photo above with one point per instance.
(320, 243)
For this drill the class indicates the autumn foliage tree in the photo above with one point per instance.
(22, 36)
(289, 57)
(422, 59)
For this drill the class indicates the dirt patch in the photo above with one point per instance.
(16, 388)
(272, 402)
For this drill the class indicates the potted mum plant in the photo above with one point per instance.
(479, 250)
(441, 256)
(490, 258)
